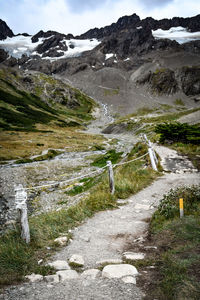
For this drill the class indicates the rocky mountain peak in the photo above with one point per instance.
(130, 22)
(5, 31)
(49, 33)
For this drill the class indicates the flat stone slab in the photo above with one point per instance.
(34, 277)
(76, 260)
(91, 274)
(109, 261)
(67, 275)
(133, 255)
(59, 265)
(119, 271)
(129, 279)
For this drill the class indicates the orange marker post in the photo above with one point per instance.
(181, 207)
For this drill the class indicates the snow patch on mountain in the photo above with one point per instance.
(76, 48)
(179, 34)
(19, 45)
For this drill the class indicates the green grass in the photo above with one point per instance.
(178, 258)
(23, 106)
(86, 184)
(18, 259)
(179, 102)
(111, 155)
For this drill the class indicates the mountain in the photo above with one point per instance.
(5, 31)
(120, 64)
(129, 22)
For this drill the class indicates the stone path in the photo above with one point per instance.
(104, 240)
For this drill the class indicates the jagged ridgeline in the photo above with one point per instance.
(27, 100)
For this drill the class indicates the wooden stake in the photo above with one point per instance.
(20, 198)
(181, 207)
(153, 164)
(111, 177)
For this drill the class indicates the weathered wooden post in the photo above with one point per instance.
(153, 163)
(20, 198)
(111, 177)
(152, 154)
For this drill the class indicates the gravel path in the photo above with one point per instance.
(106, 237)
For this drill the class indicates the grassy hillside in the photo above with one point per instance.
(39, 112)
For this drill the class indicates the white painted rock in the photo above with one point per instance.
(110, 261)
(91, 274)
(67, 275)
(62, 241)
(60, 265)
(34, 277)
(133, 256)
(51, 278)
(76, 260)
(119, 271)
(129, 279)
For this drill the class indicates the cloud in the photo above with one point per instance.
(82, 5)
(155, 3)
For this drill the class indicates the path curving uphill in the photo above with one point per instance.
(102, 240)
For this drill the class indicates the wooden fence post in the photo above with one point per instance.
(20, 198)
(153, 158)
(111, 177)
(153, 163)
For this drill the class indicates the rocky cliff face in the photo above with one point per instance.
(166, 81)
(5, 31)
(134, 21)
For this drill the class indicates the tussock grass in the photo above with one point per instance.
(18, 259)
(20, 145)
(178, 260)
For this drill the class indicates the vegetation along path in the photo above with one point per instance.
(99, 251)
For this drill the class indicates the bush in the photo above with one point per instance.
(177, 132)
(169, 205)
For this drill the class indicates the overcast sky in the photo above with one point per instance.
(78, 16)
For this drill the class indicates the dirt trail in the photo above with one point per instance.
(106, 237)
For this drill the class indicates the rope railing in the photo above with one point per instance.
(82, 176)
(21, 192)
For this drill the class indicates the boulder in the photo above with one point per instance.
(67, 275)
(119, 271)
(34, 277)
(91, 274)
(133, 256)
(62, 241)
(109, 261)
(59, 265)
(76, 260)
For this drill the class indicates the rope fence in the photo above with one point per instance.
(21, 192)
